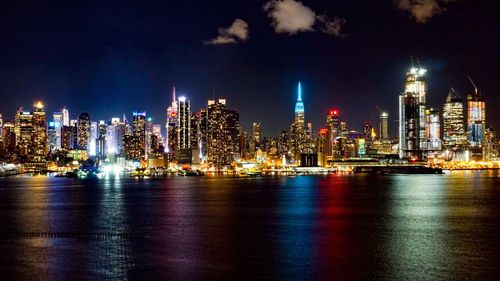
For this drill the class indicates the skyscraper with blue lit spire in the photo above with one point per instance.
(297, 129)
(299, 109)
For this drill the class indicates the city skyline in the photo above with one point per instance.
(371, 117)
(116, 71)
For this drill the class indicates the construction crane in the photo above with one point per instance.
(380, 109)
(473, 84)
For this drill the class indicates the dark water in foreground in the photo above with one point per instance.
(357, 227)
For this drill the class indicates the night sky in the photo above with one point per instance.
(113, 57)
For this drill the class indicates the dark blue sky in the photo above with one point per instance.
(112, 57)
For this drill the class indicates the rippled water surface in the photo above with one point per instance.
(356, 227)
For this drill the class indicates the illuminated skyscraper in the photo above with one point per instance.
(101, 146)
(476, 124)
(65, 117)
(203, 134)
(83, 131)
(234, 129)
(331, 148)
(111, 141)
(433, 130)
(299, 109)
(9, 141)
(195, 124)
(454, 137)
(171, 126)
(68, 137)
(297, 128)
(57, 118)
(383, 126)
(412, 134)
(256, 134)
(490, 150)
(219, 144)
(39, 137)
(183, 123)
(139, 133)
(24, 131)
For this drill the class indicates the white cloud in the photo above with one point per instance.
(291, 17)
(422, 10)
(238, 31)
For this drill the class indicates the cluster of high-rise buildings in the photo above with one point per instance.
(213, 136)
(464, 136)
(210, 136)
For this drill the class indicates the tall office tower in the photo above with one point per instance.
(183, 123)
(83, 131)
(297, 129)
(149, 136)
(490, 150)
(194, 120)
(9, 141)
(39, 136)
(256, 133)
(321, 146)
(120, 132)
(94, 134)
(65, 117)
(139, 132)
(233, 126)
(68, 134)
(383, 126)
(412, 139)
(476, 124)
(283, 142)
(171, 126)
(433, 130)
(454, 137)
(100, 140)
(157, 140)
(111, 136)
(57, 119)
(332, 133)
(52, 137)
(217, 134)
(244, 144)
(24, 132)
(203, 134)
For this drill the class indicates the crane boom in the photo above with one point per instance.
(472, 82)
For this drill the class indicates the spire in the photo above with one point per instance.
(299, 98)
(299, 105)
(173, 95)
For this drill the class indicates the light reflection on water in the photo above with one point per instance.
(356, 227)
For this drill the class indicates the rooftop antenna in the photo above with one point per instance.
(412, 64)
(473, 84)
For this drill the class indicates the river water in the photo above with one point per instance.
(337, 227)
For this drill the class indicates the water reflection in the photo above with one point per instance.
(211, 228)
